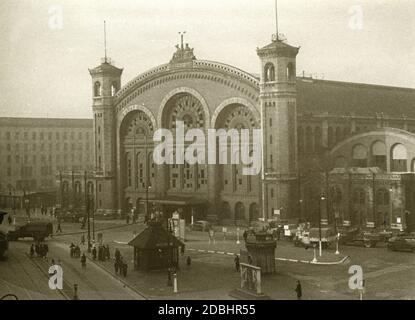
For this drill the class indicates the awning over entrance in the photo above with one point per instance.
(177, 201)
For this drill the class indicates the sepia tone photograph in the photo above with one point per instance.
(234, 151)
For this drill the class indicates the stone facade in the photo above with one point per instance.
(304, 122)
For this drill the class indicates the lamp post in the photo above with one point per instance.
(301, 208)
(315, 254)
(391, 207)
(322, 198)
(337, 244)
(87, 208)
(147, 211)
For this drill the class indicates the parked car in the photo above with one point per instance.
(4, 244)
(201, 226)
(302, 239)
(71, 216)
(38, 230)
(402, 242)
(355, 236)
(328, 236)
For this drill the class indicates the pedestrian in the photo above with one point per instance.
(128, 219)
(107, 252)
(37, 249)
(250, 261)
(117, 255)
(116, 267)
(124, 269)
(299, 290)
(59, 228)
(45, 250)
(94, 253)
(245, 235)
(9, 219)
(83, 261)
(278, 233)
(32, 250)
(72, 250)
(237, 263)
(189, 261)
(83, 239)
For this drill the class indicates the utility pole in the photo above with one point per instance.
(87, 208)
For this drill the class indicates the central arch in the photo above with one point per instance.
(180, 90)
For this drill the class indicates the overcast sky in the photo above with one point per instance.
(44, 68)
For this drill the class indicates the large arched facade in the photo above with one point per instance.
(203, 95)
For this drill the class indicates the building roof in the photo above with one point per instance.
(45, 122)
(155, 237)
(343, 98)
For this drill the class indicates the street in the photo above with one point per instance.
(211, 275)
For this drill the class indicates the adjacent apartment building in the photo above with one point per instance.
(33, 150)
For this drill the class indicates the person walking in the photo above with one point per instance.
(32, 250)
(59, 228)
(116, 267)
(83, 261)
(117, 255)
(72, 250)
(237, 263)
(299, 290)
(83, 239)
(189, 261)
(94, 253)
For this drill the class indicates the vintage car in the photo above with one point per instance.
(328, 236)
(4, 243)
(38, 230)
(402, 242)
(201, 226)
(356, 236)
(71, 216)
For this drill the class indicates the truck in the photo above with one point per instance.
(356, 236)
(38, 230)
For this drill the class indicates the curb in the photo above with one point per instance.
(278, 259)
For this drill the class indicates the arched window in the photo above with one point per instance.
(379, 155)
(309, 139)
(382, 197)
(226, 210)
(359, 196)
(359, 156)
(269, 72)
(239, 211)
(330, 137)
(114, 89)
(336, 195)
(290, 72)
(317, 139)
(253, 212)
(338, 135)
(97, 89)
(399, 158)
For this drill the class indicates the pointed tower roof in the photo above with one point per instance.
(106, 68)
(280, 47)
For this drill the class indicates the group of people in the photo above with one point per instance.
(103, 253)
(75, 251)
(120, 265)
(40, 249)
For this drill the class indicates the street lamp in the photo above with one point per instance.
(147, 211)
(301, 208)
(337, 244)
(322, 198)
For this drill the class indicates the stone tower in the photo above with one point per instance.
(278, 98)
(106, 81)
